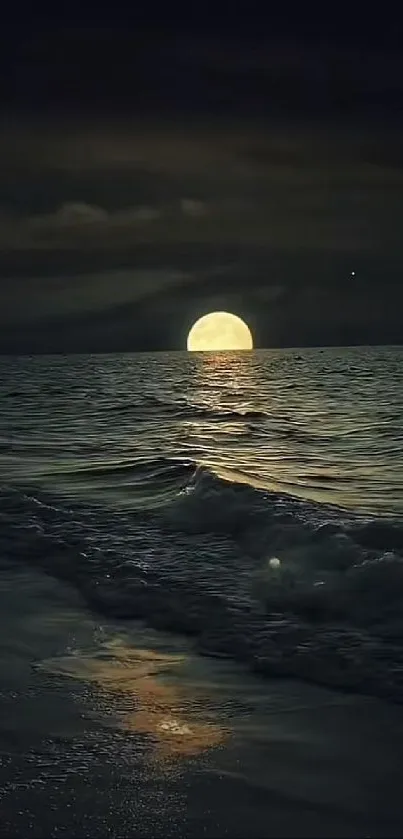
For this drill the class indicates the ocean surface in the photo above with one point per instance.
(252, 502)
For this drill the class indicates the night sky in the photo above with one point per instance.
(154, 170)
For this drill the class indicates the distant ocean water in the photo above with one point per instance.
(163, 485)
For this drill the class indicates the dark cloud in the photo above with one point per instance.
(261, 184)
(153, 178)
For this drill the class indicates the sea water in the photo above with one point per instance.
(250, 501)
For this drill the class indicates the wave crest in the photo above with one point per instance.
(329, 609)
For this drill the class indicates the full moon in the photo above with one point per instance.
(219, 331)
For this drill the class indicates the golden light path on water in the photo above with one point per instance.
(160, 709)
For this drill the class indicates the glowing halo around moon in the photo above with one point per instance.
(219, 331)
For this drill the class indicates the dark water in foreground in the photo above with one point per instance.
(114, 729)
(161, 486)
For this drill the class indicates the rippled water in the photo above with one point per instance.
(164, 485)
(322, 424)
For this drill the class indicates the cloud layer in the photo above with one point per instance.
(263, 186)
(191, 174)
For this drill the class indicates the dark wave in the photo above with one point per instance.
(152, 469)
(331, 609)
(181, 409)
(231, 416)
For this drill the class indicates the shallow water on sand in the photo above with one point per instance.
(119, 730)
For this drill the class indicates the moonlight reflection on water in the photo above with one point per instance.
(144, 701)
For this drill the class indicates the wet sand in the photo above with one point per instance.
(117, 730)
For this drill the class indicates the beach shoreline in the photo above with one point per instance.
(116, 729)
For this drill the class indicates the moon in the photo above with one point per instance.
(219, 331)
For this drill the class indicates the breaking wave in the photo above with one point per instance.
(285, 585)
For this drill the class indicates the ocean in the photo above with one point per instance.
(246, 508)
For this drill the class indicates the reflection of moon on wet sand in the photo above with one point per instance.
(148, 704)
